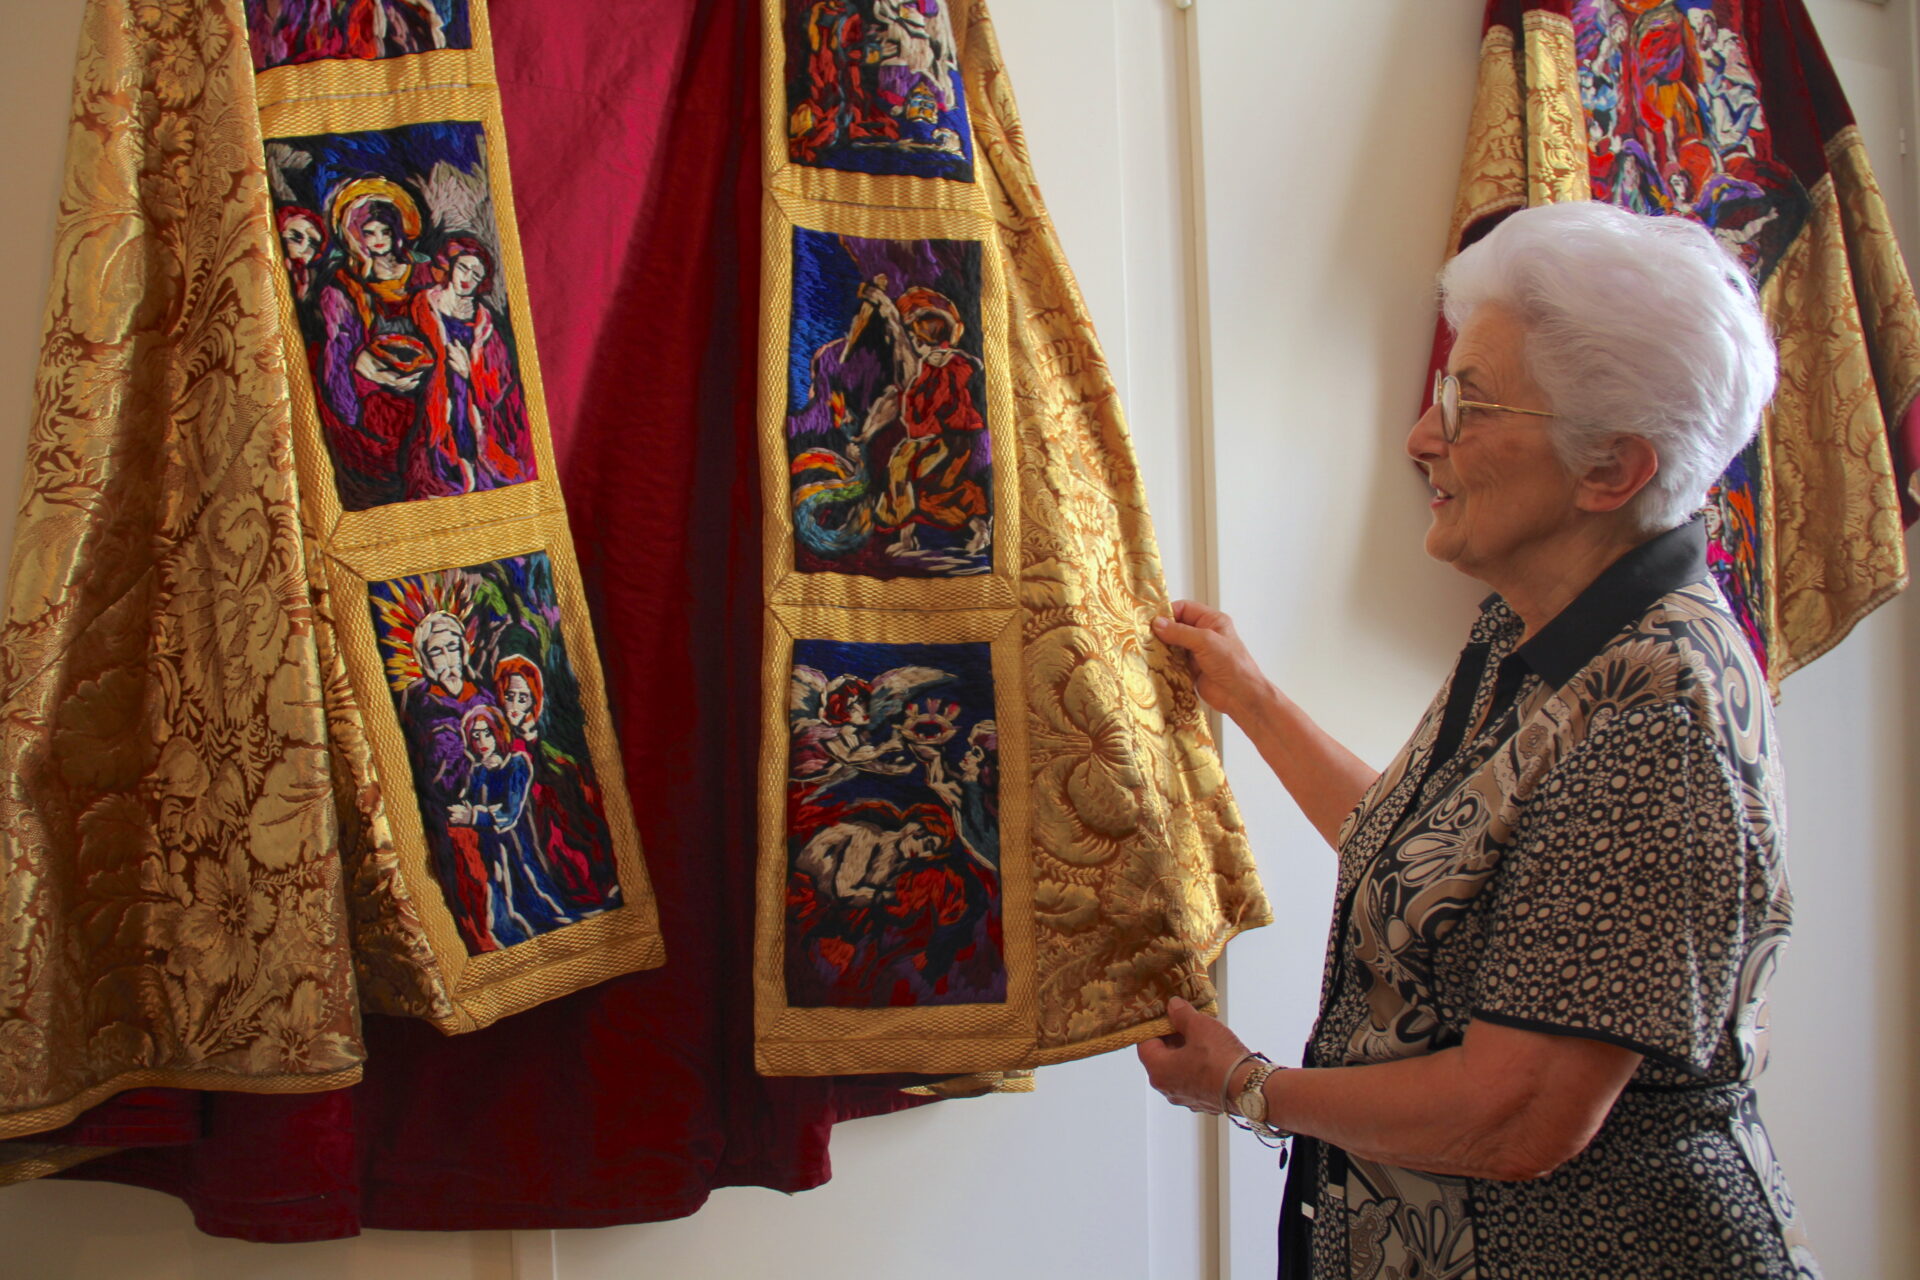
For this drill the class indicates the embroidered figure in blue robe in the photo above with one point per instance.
(570, 822)
(522, 901)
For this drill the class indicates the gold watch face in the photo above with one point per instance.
(1253, 1099)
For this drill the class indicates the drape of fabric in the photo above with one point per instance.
(175, 899)
(950, 488)
(1727, 112)
(638, 191)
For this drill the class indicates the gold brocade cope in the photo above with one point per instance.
(175, 912)
(215, 857)
(995, 833)
(1813, 524)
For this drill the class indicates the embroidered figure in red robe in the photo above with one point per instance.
(928, 480)
(837, 108)
(373, 359)
(473, 432)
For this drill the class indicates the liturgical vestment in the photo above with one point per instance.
(460, 785)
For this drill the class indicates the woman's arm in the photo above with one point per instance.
(1324, 778)
(1506, 1104)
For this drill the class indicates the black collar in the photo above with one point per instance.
(1613, 601)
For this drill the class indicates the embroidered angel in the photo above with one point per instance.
(846, 726)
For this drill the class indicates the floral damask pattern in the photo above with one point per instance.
(175, 911)
(1556, 125)
(1838, 550)
(1493, 173)
(1134, 827)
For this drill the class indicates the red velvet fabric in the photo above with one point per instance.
(634, 138)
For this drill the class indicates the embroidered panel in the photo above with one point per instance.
(490, 818)
(873, 86)
(392, 258)
(289, 32)
(887, 439)
(893, 827)
(491, 712)
(944, 464)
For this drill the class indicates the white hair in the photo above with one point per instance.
(1635, 325)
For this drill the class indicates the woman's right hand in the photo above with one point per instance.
(1224, 672)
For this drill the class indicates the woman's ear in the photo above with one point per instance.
(1612, 483)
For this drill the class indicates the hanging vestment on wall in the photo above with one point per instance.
(1727, 112)
(302, 692)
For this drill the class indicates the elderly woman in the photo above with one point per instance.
(1558, 907)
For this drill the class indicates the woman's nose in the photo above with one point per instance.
(1425, 441)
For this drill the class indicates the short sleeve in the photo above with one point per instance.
(1620, 909)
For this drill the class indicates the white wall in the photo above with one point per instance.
(1270, 368)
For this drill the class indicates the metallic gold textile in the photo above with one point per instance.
(1142, 871)
(1493, 172)
(1125, 866)
(1838, 551)
(1888, 308)
(1556, 123)
(175, 911)
(26, 1161)
(205, 884)
(411, 958)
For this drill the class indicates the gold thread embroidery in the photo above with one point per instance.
(1887, 303)
(1116, 900)
(407, 923)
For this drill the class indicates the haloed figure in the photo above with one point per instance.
(432, 710)
(372, 359)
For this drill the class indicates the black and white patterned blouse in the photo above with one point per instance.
(1584, 836)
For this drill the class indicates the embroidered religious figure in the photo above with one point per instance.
(887, 433)
(874, 86)
(410, 348)
(893, 892)
(518, 841)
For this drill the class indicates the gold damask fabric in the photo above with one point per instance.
(988, 617)
(1493, 173)
(1556, 133)
(175, 901)
(1838, 551)
(1808, 524)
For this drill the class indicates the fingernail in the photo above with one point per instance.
(1159, 623)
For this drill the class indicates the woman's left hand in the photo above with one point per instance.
(1190, 1066)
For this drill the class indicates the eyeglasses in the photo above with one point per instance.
(1446, 394)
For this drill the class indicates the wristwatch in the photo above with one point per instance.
(1251, 1101)
(1248, 1108)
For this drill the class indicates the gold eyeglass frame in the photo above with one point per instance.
(1446, 394)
